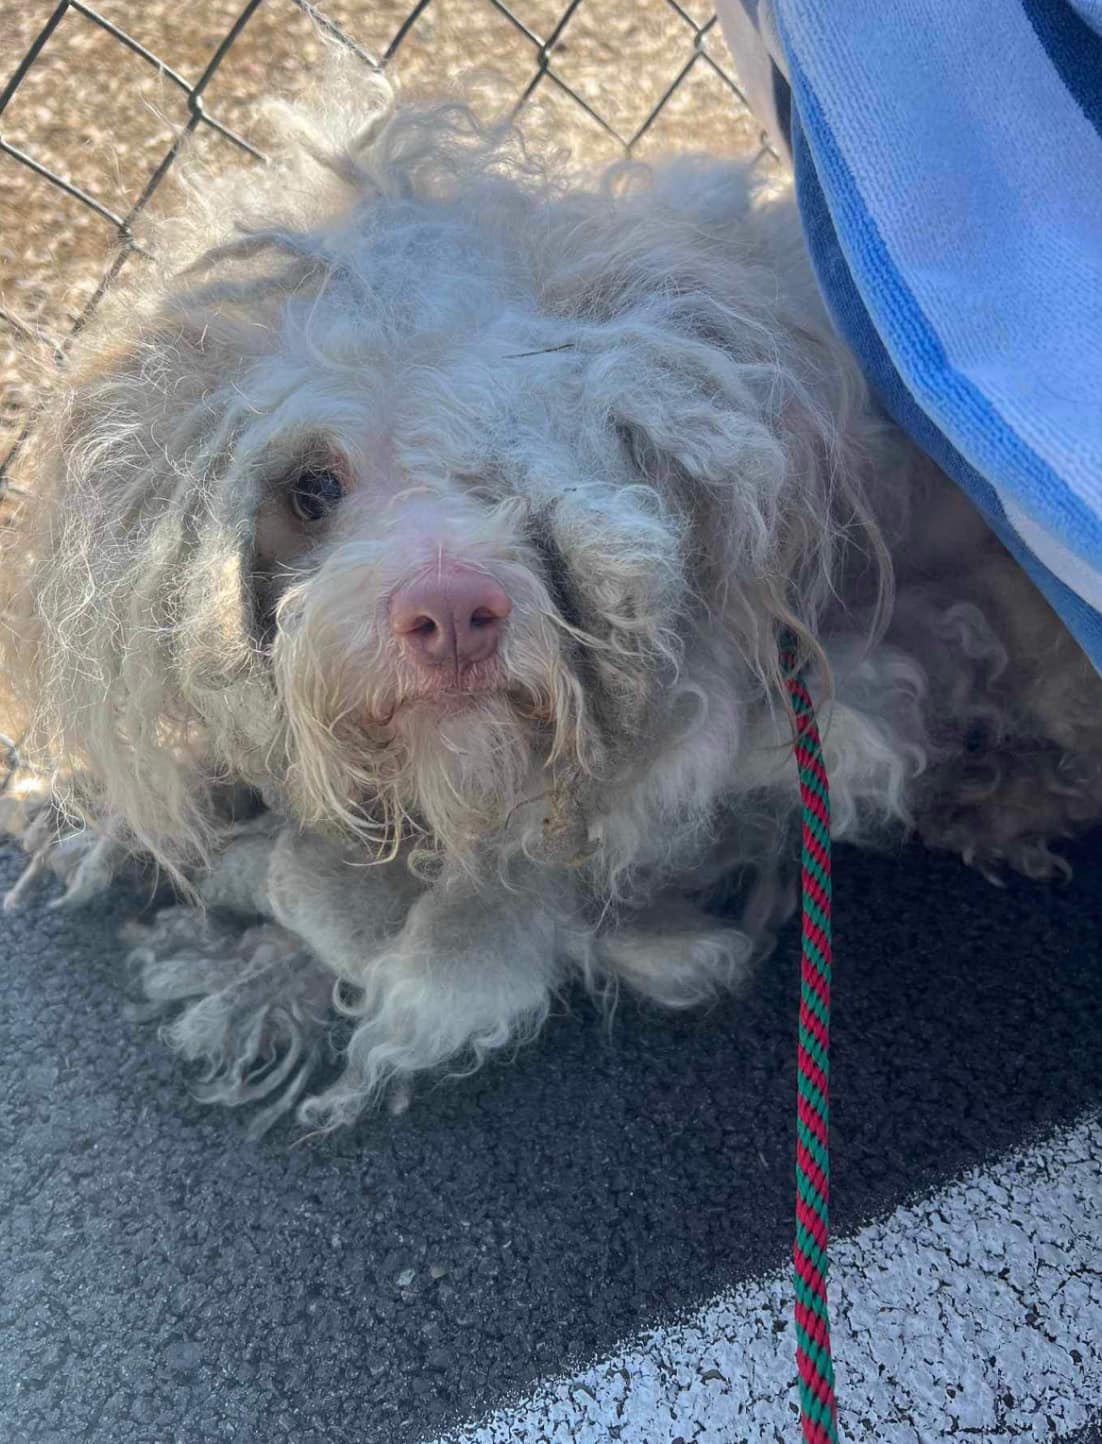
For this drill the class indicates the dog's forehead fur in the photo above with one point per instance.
(408, 277)
(445, 336)
(482, 396)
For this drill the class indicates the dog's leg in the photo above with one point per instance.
(85, 855)
(1022, 708)
(429, 975)
(65, 835)
(1005, 808)
(253, 1002)
(341, 904)
(471, 971)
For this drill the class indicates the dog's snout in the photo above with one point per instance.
(451, 616)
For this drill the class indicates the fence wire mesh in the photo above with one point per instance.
(98, 108)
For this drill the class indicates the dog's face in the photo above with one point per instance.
(405, 489)
(464, 592)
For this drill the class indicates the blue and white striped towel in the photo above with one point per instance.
(948, 162)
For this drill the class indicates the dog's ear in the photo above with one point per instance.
(121, 582)
(688, 513)
(709, 356)
(716, 434)
(750, 437)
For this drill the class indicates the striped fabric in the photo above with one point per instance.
(948, 163)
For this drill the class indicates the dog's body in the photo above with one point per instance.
(454, 517)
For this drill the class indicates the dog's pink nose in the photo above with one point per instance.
(449, 616)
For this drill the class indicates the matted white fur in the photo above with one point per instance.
(620, 405)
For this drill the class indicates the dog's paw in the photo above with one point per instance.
(86, 857)
(252, 1007)
(676, 956)
(1007, 810)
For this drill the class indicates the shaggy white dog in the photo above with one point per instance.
(405, 571)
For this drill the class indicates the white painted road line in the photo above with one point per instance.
(977, 1311)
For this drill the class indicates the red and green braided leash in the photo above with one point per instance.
(818, 1409)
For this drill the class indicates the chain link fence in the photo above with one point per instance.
(97, 110)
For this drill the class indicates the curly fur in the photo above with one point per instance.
(622, 402)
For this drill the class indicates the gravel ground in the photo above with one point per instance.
(102, 117)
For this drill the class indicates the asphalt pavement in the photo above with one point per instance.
(164, 1280)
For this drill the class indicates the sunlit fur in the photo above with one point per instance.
(623, 402)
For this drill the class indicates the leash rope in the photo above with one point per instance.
(818, 1408)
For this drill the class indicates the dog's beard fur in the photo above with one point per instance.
(376, 753)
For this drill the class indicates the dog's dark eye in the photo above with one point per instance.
(314, 494)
